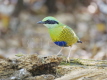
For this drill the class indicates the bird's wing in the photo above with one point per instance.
(68, 34)
(69, 30)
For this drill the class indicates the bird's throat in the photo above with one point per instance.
(51, 25)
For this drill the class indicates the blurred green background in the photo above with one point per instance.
(20, 33)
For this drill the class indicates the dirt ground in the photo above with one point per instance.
(33, 67)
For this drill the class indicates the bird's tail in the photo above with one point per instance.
(79, 41)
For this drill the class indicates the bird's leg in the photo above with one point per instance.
(60, 51)
(68, 57)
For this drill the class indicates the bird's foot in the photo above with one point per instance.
(68, 60)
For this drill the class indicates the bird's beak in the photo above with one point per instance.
(41, 22)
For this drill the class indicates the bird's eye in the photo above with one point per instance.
(46, 21)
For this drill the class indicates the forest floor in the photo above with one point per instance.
(34, 67)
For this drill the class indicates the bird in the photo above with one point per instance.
(61, 34)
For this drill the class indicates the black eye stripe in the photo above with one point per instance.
(51, 22)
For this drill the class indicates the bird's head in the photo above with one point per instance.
(49, 22)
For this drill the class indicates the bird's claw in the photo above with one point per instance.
(68, 60)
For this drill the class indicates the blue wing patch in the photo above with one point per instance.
(61, 43)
